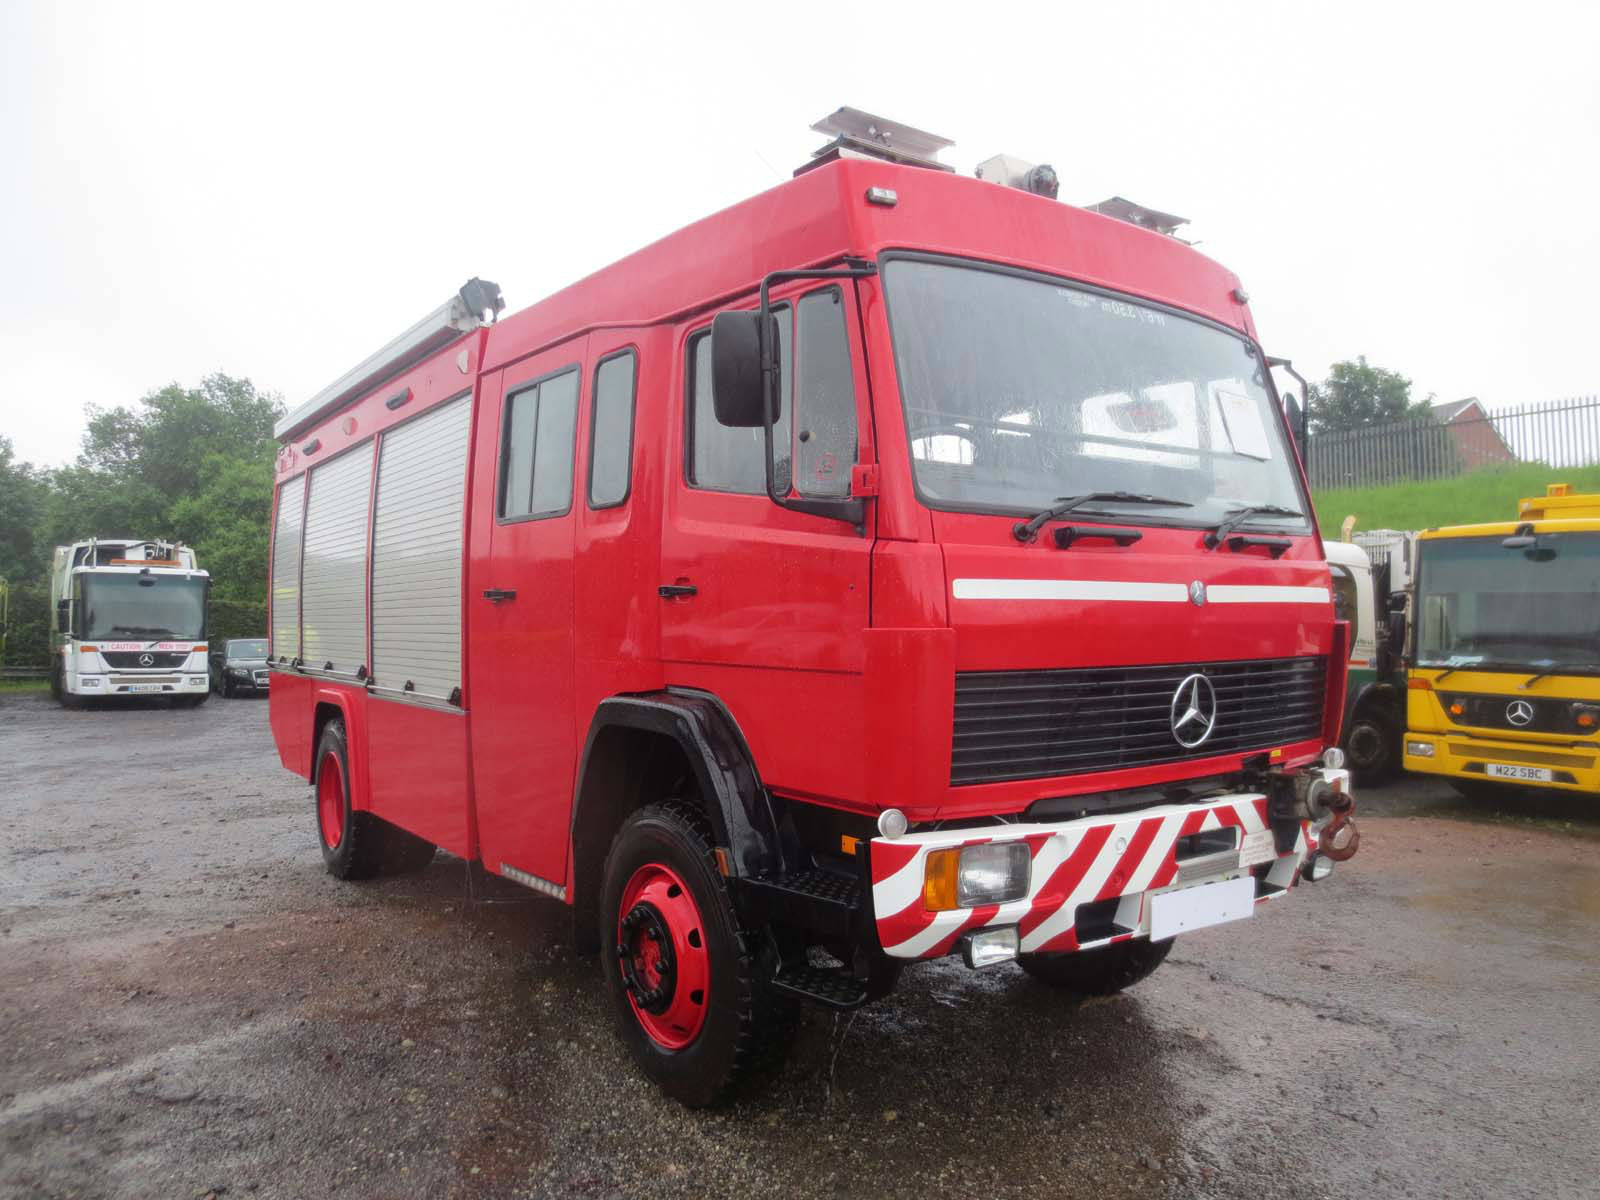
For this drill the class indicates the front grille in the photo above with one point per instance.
(128, 660)
(1034, 724)
(1493, 712)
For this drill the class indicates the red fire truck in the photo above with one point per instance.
(893, 565)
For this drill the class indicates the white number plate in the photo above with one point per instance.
(1178, 912)
(145, 687)
(1536, 774)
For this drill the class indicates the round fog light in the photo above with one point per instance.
(892, 823)
(1333, 758)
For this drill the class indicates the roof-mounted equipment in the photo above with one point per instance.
(858, 134)
(1137, 214)
(1038, 178)
(476, 304)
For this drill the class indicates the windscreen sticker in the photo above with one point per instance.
(1242, 420)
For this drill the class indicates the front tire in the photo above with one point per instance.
(356, 844)
(58, 689)
(1098, 972)
(685, 987)
(1371, 747)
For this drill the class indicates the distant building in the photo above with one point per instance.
(1476, 439)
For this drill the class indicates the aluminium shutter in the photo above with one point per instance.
(286, 528)
(416, 552)
(333, 604)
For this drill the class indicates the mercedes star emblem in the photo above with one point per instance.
(1519, 712)
(1197, 593)
(1194, 711)
(147, 660)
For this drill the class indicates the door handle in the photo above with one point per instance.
(495, 595)
(670, 591)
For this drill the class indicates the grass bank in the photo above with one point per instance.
(1489, 495)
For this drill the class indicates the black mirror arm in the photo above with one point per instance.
(1303, 434)
(852, 511)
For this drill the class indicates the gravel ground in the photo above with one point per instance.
(190, 1007)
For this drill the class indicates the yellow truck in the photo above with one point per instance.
(1503, 685)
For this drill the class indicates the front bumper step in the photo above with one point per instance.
(834, 989)
(815, 900)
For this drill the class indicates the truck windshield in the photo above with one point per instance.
(1482, 604)
(1019, 390)
(143, 606)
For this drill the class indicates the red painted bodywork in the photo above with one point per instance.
(834, 652)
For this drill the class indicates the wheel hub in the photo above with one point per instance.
(662, 956)
(649, 971)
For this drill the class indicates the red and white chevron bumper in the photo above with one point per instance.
(1126, 856)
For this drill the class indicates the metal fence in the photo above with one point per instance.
(1562, 433)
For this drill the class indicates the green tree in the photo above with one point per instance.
(23, 492)
(1358, 394)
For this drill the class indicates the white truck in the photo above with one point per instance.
(128, 618)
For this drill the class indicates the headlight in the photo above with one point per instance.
(1420, 749)
(964, 877)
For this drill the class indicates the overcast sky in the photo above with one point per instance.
(273, 191)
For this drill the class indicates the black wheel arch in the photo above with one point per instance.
(1380, 696)
(639, 744)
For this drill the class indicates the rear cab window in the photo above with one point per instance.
(536, 448)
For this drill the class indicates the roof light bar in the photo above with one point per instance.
(477, 304)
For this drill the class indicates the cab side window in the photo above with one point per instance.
(611, 435)
(536, 448)
(825, 397)
(734, 460)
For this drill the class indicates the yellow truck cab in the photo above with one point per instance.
(1503, 685)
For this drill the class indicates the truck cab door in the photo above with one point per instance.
(762, 606)
(520, 614)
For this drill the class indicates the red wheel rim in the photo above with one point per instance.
(661, 952)
(330, 800)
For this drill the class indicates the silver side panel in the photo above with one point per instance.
(285, 620)
(416, 552)
(333, 606)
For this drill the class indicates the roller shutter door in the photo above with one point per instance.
(416, 553)
(286, 569)
(333, 606)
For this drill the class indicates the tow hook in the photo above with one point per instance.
(1340, 839)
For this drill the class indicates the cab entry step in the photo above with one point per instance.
(829, 988)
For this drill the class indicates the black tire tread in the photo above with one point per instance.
(767, 1022)
(371, 847)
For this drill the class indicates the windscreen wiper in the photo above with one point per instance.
(1026, 531)
(1239, 516)
(153, 630)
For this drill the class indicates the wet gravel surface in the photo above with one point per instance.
(190, 1007)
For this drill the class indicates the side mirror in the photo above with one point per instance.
(736, 378)
(1397, 633)
(63, 614)
(1297, 423)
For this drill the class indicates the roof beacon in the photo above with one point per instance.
(1040, 178)
(857, 134)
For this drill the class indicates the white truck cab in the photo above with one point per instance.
(128, 618)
